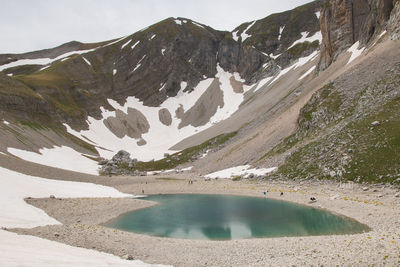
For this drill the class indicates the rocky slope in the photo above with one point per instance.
(181, 92)
(348, 129)
(177, 75)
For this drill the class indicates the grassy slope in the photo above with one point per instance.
(344, 145)
(181, 157)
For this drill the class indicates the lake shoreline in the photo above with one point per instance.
(378, 208)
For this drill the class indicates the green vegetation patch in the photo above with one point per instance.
(182, 157)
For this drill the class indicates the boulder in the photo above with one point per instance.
(122, 156)
(375, 123)
(128, 257)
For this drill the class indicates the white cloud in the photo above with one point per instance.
(32, 25)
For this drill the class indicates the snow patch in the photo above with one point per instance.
(41, 61)
(235, 36)
(139, 63)
(262, 83)
(125, 44)
(300, 62)
(355, 51)
(187, 169)
(244, 170)
(60, 157)
(232, 100)
(318, 14)
(87, 61)
(280, 32)
(316, 37)
(160, 137)
(6, 122)
(114, 71)
(307, 73)
(274, 57)
(26, 250)
(135, 44)
(45, 67)
(201, 26)
(14, 187)
(10, 75)
(116, 41)
(382, 34)
(151, 38)
(163, 51)
(162, 87)
(205, 154)
(177, 21)
(244, 34)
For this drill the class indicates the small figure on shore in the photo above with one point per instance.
(142, 191)
(313, 199)
(281, 193)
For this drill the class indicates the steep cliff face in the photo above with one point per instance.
(394, 22)
(344, 22)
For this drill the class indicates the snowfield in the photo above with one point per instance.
(23, 250)
(160, 137)
(14, 187)
(243, 170)
(304, 38)
(59, 157)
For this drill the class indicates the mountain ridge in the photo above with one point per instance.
(178, 83)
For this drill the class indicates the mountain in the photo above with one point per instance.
(180, 92)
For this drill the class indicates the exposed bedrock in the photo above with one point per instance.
(344, 22)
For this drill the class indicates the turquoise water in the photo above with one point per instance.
(222, 217)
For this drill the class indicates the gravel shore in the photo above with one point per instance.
(377, 207)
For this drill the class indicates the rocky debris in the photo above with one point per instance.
(397, 194)
(52, 197)
(365, 188)
(120, 164)
(128, 257)
(56, 234)
(121, 156)
(394, 22)
(338, 119)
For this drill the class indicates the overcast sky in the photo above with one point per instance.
(28, 25)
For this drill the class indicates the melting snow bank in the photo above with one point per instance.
(244, 171)
(24, 250)
(355, 51)
(14, 187)
(161, 137)
(59, 157)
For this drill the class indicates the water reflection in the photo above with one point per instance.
(231, 217)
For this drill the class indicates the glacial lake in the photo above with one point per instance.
(224, 217)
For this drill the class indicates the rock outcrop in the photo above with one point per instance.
(394, 22)
(276, 33)
(344, 22)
